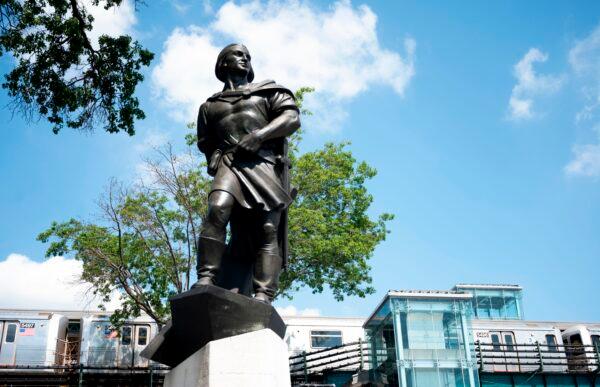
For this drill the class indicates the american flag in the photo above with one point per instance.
(110, 332)
(27, 329)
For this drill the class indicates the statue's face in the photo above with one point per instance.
(238, 61)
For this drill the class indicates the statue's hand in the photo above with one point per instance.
(251, 142)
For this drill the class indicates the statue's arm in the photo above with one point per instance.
(205, 143)
(285, 122)
(283, 125)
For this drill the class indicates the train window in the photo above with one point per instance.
(74, 326)
(496, 341)
(142, 336)
(325, 339)
(551, 343)
(508, 340)
(11, 332)
(126, 335)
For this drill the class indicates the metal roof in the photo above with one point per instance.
(429, 294)
(487, 286)
(420, 294)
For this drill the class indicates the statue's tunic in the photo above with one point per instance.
(256, 180)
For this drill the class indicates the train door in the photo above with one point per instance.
(575, 351)
(505, 351)
(72, 343)
(142, 333)
(8, 344)
(125, 351)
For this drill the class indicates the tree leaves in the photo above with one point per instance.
(331, 235)
(143, 244)
(62, 75)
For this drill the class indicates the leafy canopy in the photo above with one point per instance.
(143, 246)
(63, 75)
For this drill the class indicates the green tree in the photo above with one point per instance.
(144, 247)
(64, 76)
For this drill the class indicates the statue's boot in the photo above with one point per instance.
(266, 276)
(210, 254)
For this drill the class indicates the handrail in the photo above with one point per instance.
(78, 366)
(339, 356)
(328, 349)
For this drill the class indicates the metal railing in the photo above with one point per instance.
(352, 356)
(537, 358)
(516, 358)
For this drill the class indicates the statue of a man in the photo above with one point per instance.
(242, 131)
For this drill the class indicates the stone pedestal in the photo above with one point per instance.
(206, 314)
(258, 358)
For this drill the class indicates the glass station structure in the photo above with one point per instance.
(494, 302)
(424, 338)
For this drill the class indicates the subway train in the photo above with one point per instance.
(66, 338)
(38, 338)
(518, 345)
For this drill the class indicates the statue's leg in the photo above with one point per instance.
(268, 261)
(211, 244)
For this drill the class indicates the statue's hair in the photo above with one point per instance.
(221, 70)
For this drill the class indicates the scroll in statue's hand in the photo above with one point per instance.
(251, 142)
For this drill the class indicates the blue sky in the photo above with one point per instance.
(483, 191)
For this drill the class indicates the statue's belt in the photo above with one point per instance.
(277, 159)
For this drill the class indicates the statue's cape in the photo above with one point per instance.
(233, 96)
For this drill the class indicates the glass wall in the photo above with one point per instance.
(503, 304)
(423, 342)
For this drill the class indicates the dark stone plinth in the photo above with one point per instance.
(208, 313)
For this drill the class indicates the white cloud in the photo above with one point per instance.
(291, 310)
(336, 50)
(584, 58)
(584, 55)
(114, 21)
(586, 160)
(530, 84)
(151, 140)
(207, 7)
(180, 7)
(50, 284)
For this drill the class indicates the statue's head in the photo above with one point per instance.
(234, 58)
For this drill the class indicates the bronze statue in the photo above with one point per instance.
(242, 131)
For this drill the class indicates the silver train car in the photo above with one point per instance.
(31, 338)
(514, 345)
(67, 338)
(582, 345)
